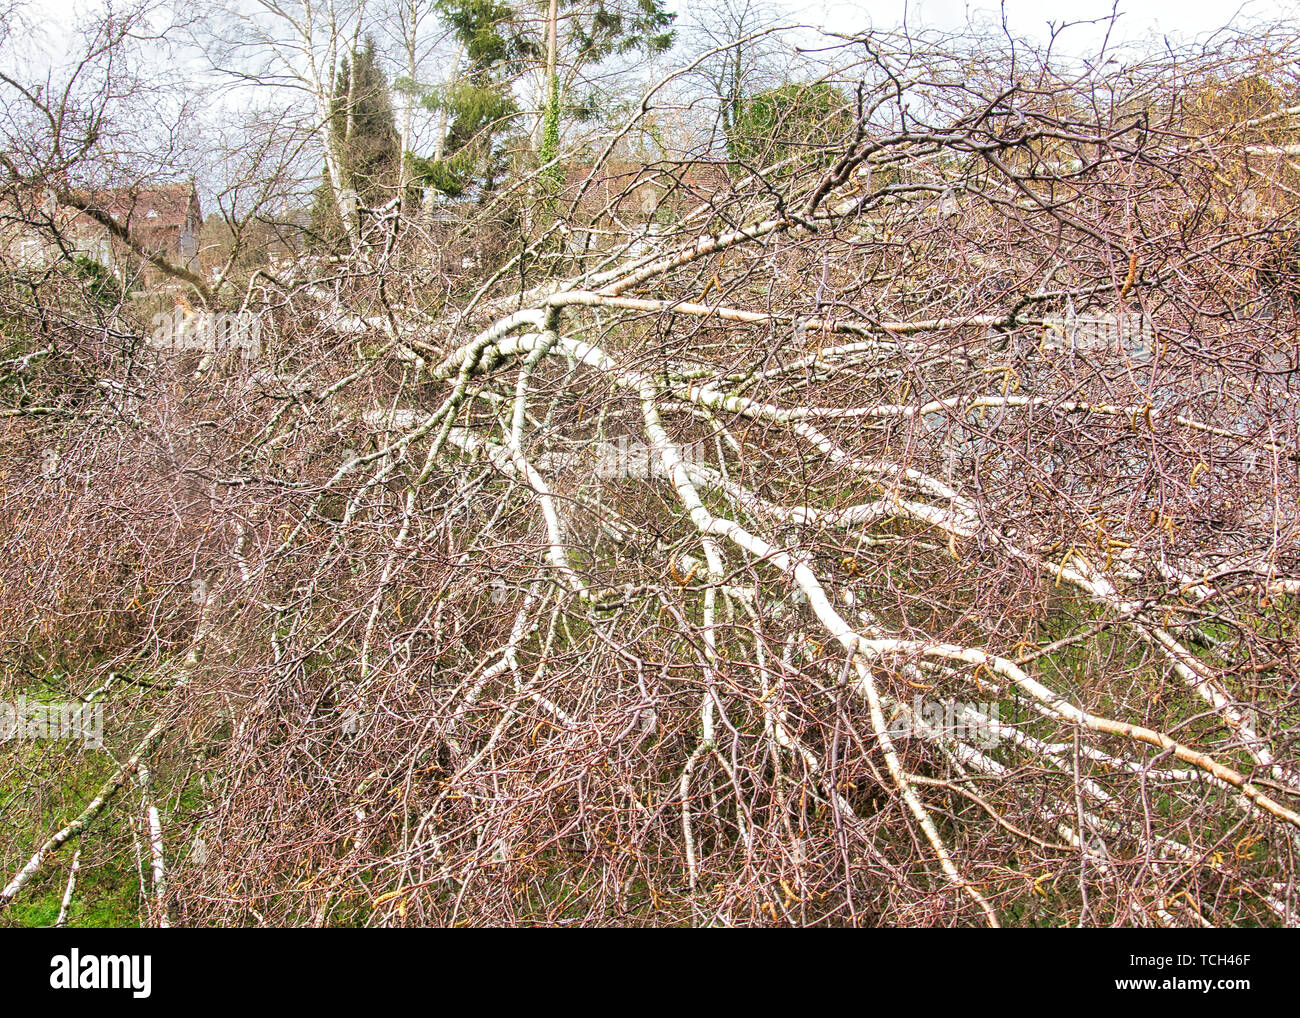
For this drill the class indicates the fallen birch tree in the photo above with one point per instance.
(904, 532)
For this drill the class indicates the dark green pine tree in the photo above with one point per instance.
(501, 38)
(617, 26)
(480, 103)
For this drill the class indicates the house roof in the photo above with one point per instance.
(158, 206)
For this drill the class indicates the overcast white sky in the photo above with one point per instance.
(1027, 17)
(1140, 18)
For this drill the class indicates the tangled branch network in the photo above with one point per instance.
(903, 531)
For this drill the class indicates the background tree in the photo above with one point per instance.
(364, 135)
(805, 120)
(479, 104)
(746, 57)
(580, 36)
(295, 50)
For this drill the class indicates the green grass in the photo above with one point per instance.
(62, 781)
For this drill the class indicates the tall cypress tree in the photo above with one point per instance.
(364, 134)
(363, 118)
